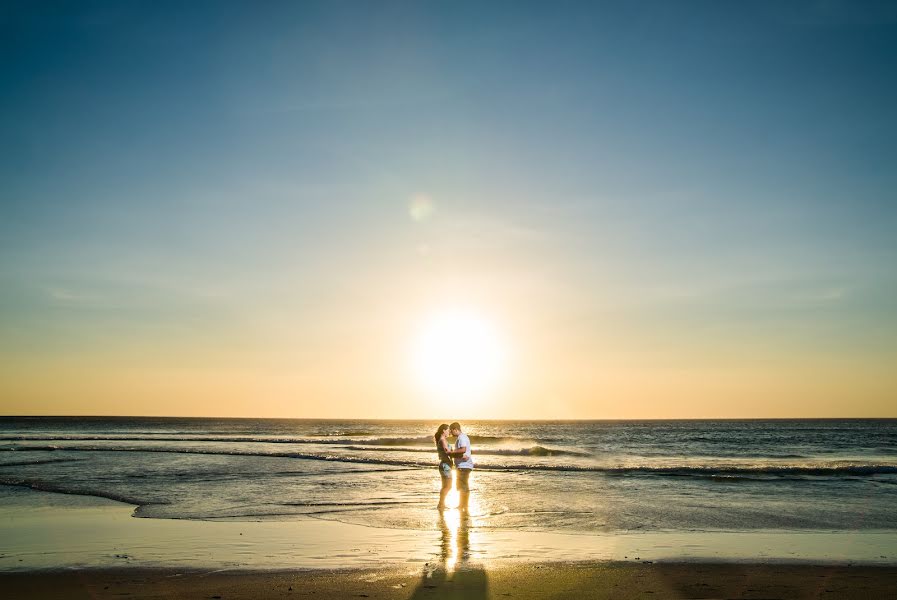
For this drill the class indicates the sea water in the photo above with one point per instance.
(586, 477)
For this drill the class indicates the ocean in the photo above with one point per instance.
(581, 477)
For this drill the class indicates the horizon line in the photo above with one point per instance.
(538, 420)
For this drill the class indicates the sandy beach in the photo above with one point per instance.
(588, 580)
(80, 547)
(42, 531)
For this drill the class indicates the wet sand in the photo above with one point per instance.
(40, 531)
(584, 580)
(77, 547)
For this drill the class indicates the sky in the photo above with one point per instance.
(656, 209)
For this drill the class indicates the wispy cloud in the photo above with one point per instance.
(73, 298)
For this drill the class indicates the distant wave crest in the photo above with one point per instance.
(328, 439)
(720, 471)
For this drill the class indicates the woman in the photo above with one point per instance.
(445, 463)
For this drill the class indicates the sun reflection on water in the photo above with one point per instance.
(453, 498)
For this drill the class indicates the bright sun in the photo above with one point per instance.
(458, 353)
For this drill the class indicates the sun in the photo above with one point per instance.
(458, 354)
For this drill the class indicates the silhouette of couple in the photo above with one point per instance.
(459, 458)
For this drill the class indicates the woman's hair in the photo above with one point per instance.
(439, 431)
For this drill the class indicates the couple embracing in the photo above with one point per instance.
(460, 456)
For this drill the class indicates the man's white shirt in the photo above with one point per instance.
(466, 461)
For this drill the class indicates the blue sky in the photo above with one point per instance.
(636, 186)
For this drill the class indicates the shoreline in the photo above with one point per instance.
(56, 546)
(41, 531)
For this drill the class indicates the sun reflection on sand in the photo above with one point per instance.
(450, 523)
(454, 576)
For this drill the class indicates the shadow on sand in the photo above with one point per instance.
(453, 576)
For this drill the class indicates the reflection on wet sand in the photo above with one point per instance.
(453, 576)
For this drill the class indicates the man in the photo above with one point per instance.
(463, 462)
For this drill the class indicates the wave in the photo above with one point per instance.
(43, 486)
(369, 503)
(769, 471)
(534, 451)
(327, 439)
(213, 452)
(484, 445)
(531, 451)
(47, 461)
(720, 471)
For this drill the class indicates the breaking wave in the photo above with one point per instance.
(720, 471)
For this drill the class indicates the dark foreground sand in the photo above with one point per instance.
(596, 580)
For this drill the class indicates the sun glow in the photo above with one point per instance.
(458, 354)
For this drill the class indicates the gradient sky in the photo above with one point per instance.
(668, 210)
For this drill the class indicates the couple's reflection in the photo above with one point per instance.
(455, 528)
(453, 576)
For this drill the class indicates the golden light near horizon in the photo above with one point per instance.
(458, 354)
